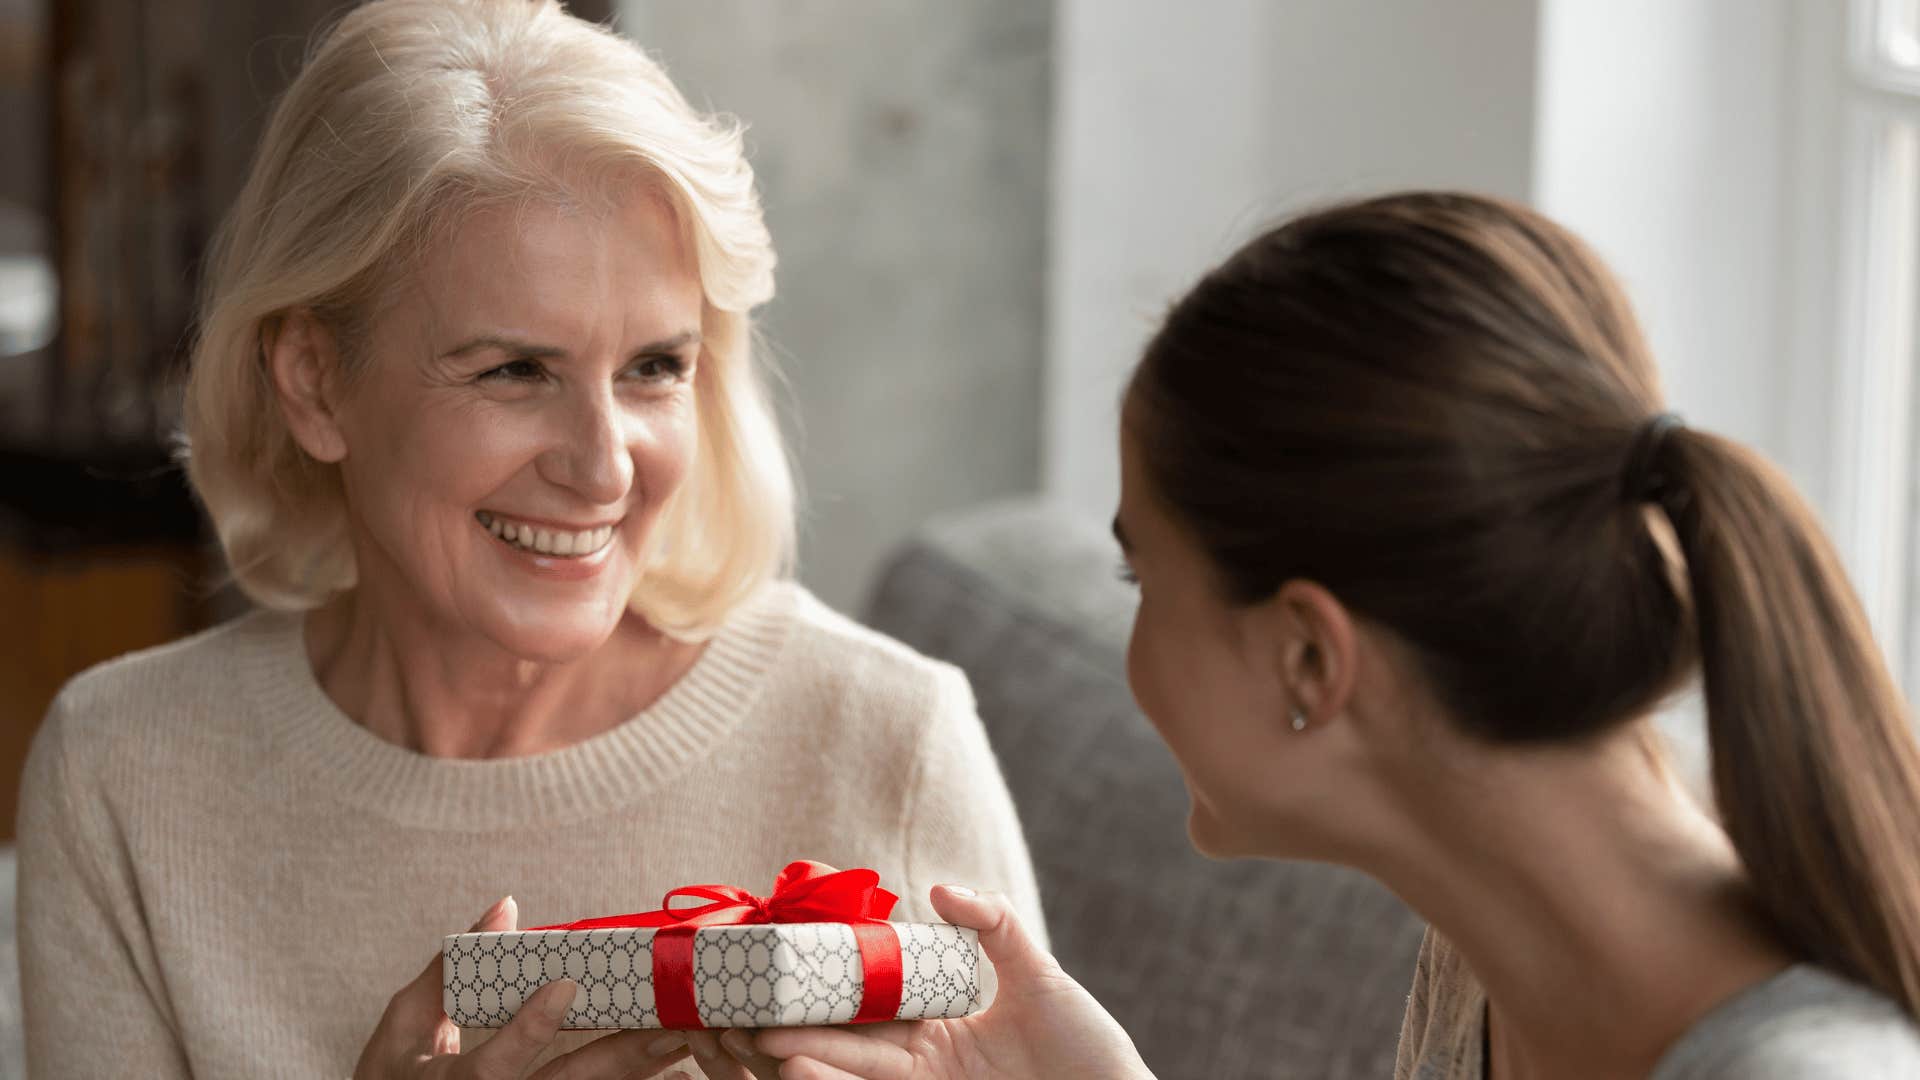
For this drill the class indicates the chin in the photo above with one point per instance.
(556, 637)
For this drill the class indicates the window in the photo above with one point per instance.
(1886, 41)
(1878, 425)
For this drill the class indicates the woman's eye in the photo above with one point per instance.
(664, 368)
(514, 371)
(1125, 573)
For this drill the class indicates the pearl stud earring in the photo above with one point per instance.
(1299, 719)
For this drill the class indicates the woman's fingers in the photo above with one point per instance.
(729, 1055)
(415, 1011)
(446, 1037)
(512, 1050)
(879, 1055)
(503, 915)
(706, 1050)
(1002, 935)
(414, 1023)
(628, 1055)
(809, 1069)
(753, 1065)
(774, 1040)
(425, 996)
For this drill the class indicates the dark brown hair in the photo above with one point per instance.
(1428, 404)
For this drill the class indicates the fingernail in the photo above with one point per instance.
(738, 1045)
(559, 1001)
(666, 1044)
(959, 890)
(489, 915)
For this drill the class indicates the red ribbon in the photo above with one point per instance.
(804, 892)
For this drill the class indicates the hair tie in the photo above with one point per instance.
(1643, 481)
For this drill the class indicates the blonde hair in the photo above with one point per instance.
(407, 114)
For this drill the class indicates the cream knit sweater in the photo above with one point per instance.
(221, 875)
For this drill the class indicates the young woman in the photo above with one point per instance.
(1419, 553)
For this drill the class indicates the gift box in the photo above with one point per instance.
(819, 950)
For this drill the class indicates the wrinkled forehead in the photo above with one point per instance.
(559, 266)
(548, 190)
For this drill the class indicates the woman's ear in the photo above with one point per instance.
(1319, 650)
(304, 365)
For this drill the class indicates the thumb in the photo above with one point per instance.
(503, 915)
(514, 1048)
(1002, 935)
(414, 1022)
(418, 1004)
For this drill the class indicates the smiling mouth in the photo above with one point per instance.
(544, 539)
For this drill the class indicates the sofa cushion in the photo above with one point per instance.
(13, 1047)
(1218, 970)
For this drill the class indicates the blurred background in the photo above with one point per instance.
(980, 211)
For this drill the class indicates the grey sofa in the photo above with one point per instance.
(12, 1043)
(1219, 970)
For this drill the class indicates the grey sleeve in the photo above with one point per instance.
(1804, 1024)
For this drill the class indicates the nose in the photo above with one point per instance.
(592, 453)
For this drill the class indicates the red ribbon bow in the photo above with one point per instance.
(804, 892)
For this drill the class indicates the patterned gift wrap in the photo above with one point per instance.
(780, 975)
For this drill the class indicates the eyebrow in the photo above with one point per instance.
(534, 350)
(1120, 535)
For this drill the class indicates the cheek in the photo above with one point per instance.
(1184, 679)
(438, 456)
(1160, 671)
(664, 452)
(1140, 674)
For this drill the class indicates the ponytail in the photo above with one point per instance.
(1815, 768)
(1454, 392)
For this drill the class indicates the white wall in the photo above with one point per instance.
(1704, 148)
(1679, 139)
(901, 149)
(1663, 134)
(1180, 128)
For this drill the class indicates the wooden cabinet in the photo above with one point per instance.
(100, 554)
(64, 613)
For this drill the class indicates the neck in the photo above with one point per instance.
(1601, 909)
(452, 695)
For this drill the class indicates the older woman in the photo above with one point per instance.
(475, 415)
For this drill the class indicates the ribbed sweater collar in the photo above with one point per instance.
(319, 743)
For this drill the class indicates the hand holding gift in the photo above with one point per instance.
(1041, 1023)
(416, 1039)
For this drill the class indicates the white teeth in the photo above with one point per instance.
(548, 542)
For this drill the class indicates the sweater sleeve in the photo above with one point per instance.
(91, 987)
(961, 827)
